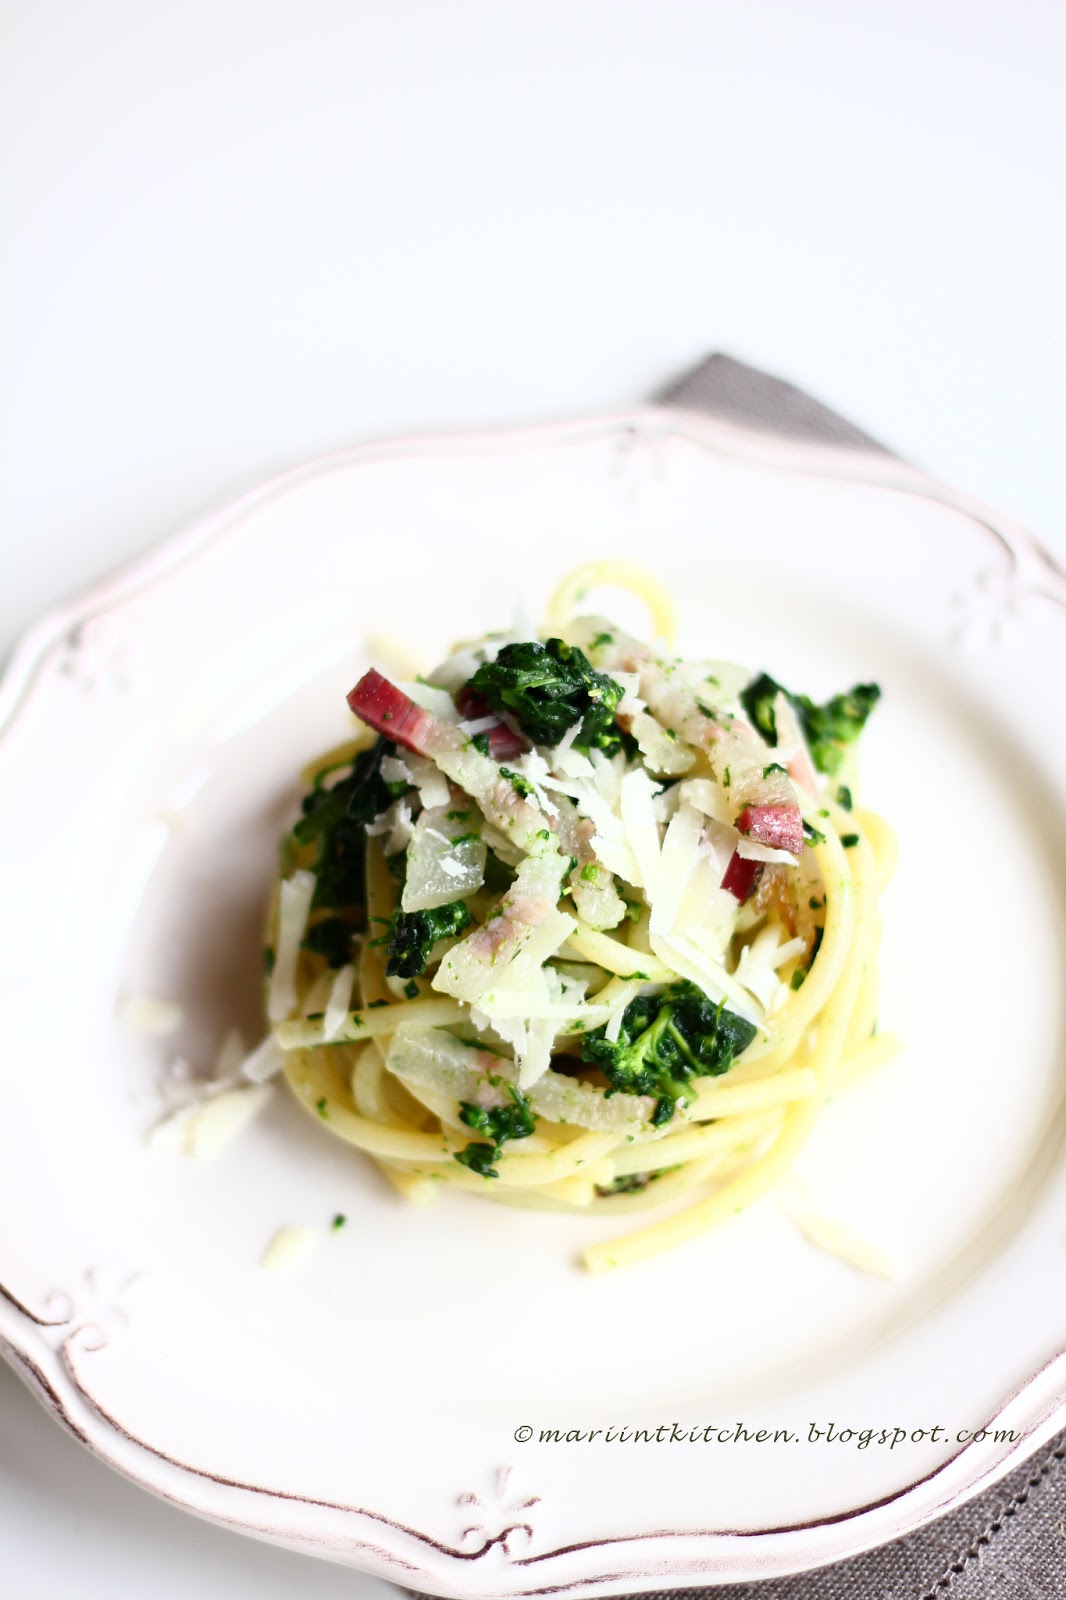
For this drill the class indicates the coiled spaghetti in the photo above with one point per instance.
(660, 957)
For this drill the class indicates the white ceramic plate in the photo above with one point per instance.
(370, 1404)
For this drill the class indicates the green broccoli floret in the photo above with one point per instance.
(546, 688)
(336, 817)
(414, 933)
(499, 1123)
(758, 701)
(520, 785)
(828, 729)
(664, 1041)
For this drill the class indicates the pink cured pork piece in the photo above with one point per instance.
(391, 712)
(471, 966)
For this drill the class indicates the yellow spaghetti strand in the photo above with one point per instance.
(569, 597)
(372, 1023)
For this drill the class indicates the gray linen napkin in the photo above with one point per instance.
(1007, 1544)
(739, 393)
(1010, 1542)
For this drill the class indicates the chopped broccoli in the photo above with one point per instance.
(828, 728)
(479, 1158)
(546, 688)
(758, 701)
(414, 933)
(500, 1123)
(831, 727)
(799, 977)
(331, 938)
(665, 1040)
(336, 819)
(633, 1182)
(520, 785)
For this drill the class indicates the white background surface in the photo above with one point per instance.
(242, 232)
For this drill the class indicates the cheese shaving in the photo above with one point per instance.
(641, 829)
(682, 953)
(288, 1247)
(205, 1129)
(430, 698)
(294, 906)
(264, 1062)
(662, 751)
(144, 1013)
(395, 821)
(836, 1237)
(339, 1002)
(424, 774)
(680, 856)
(748, 850)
